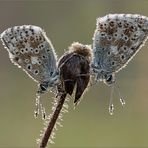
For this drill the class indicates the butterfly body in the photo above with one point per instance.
(117, 38)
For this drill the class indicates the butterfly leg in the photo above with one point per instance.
(111, 105)
(42, 88)
(119, 94)
(110, 80)
(39, 107)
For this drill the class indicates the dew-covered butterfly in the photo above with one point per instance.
(30, 49)
(117, 38)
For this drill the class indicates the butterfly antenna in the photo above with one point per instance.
(111, 106)
(122, 100)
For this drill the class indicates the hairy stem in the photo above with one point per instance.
(52, 121)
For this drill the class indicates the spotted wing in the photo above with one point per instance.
(117, 38)
(29, 48)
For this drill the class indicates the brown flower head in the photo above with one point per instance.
(74, 68)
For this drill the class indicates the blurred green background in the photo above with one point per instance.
(89, 125)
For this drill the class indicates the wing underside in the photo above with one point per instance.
(117, 38)
(29, 48)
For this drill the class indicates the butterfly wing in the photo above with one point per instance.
(117, 38)
(30, 49)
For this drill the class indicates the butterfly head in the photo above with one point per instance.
(101, 75)
(109, 79)
(51, 83)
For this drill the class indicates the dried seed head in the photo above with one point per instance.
(74, 68)
(84, 50)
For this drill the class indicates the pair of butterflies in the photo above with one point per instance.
(117, 38)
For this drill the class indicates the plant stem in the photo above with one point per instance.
(52, 121)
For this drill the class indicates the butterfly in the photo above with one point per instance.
(30, 49)
(117, 38)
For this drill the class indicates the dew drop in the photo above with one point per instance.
(111, 109)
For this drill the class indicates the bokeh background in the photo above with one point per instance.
(89, 125)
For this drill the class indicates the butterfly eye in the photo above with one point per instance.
(43, 87)
(109, 79)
